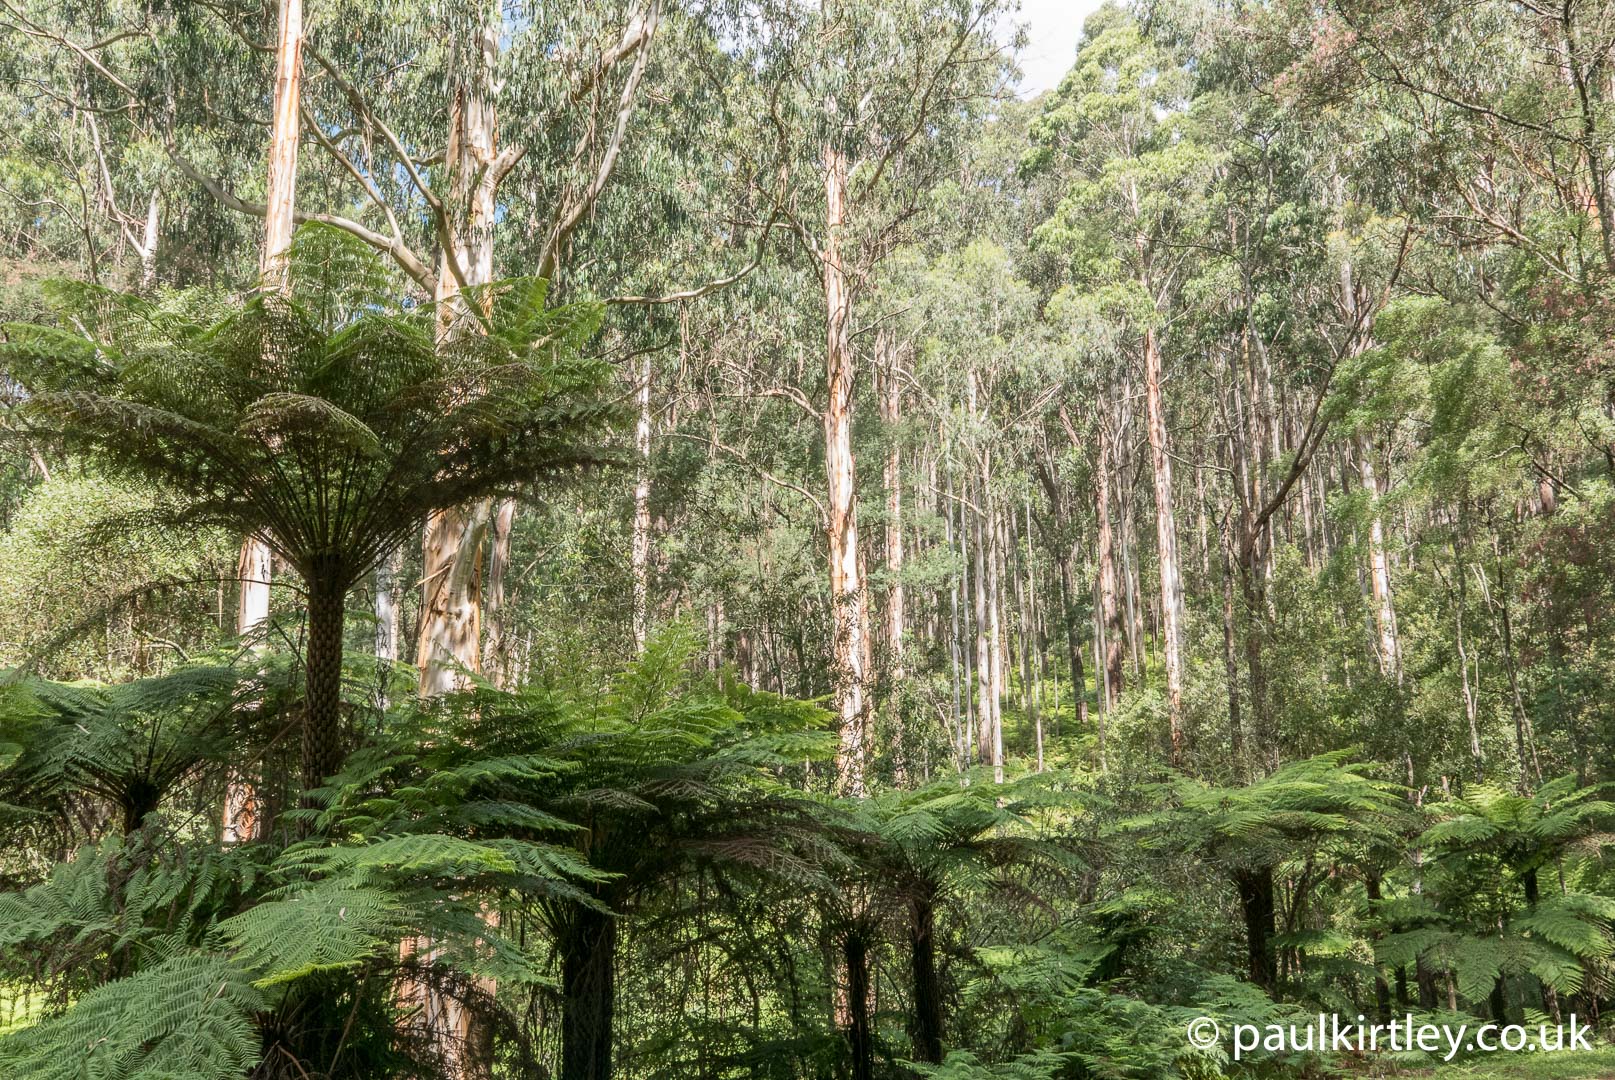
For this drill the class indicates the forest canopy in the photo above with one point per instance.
(647, 538)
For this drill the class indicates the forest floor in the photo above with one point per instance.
(1595, 1064)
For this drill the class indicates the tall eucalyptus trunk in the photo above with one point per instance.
(640, 555)
(891, 406)
(848, 603)
(449, 644)
(982, 599)
(1114, 673)
(450, 640)
(1387, 644)
(148, 245)
(1166, 540)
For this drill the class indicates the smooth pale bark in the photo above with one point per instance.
(254, 568)
(848, 607)
(1114, 672)
(1166, 540)
(995, 632)
(280, 197)
(958, 655)
(280, 204)
(984, 664)
(386, 607)
(891, 405)
(452, 548)
(148, 245)
(894, 617)
(1202, 522)
(500, 660)
(1379, 573)
(967, 579)
(640, 556)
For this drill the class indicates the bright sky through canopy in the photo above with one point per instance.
(1052, 30)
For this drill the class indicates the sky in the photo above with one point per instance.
(1052, 28)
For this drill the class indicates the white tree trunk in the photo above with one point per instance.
(449, 646)
(148, 245)
(891, 406)
(1379, 573)
(849, 609)
(641, 539)
(1166, 536)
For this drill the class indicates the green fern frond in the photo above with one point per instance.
(330, 926)
(188, 1017)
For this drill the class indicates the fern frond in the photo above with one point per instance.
(187, 1018)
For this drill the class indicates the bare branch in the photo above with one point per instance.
(410, 262)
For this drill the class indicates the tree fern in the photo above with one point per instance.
(321, 422)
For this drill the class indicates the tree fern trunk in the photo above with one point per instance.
(860, 1041)
(322, 701)
(588, 978)
(1382, 991)
(927, 1030)
(1256, 902)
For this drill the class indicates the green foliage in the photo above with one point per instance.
(330, 427)
(129, 743)
(1303, 804)
(332, 925)
(187, 1017)
(74, 616)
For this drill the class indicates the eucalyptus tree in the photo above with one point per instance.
(871, 100)
(255, 568)
(80, 180)
(985, 370)
(1484, 96)
(1118, 130)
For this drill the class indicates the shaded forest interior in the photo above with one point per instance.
(648, 538)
